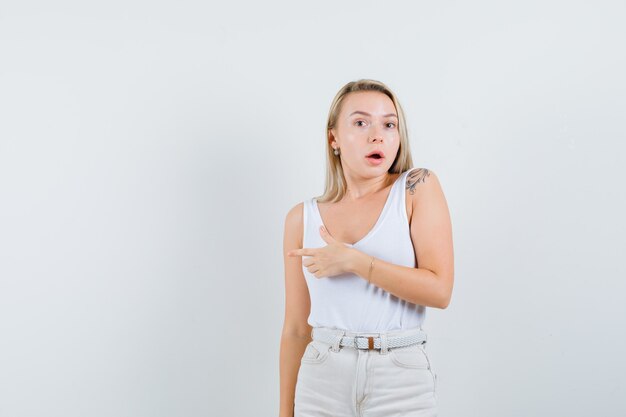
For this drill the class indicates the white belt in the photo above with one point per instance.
(368, 342)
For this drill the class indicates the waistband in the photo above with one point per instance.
(370, 341)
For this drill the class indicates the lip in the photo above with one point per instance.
(378, 151)
(374, 162)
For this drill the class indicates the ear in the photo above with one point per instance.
(331, 136)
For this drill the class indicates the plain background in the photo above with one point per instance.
(150, 151)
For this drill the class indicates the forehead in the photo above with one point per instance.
(373, 102)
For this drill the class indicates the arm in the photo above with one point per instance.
(296, 333)
(430, 283)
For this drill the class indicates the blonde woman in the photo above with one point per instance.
(363, 261)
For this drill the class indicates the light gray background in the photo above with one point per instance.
(149, 152)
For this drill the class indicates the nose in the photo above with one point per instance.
(375, 135)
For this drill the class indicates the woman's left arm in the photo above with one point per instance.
(430, 283)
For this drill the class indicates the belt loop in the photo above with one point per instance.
(383, 344)
(338, 337)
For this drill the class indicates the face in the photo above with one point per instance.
(368, 122)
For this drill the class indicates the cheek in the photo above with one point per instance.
(394, 136)
(353, 144)
(352, 137)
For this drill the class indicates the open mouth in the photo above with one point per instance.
(375, 155)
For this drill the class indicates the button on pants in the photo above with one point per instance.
(342, 381)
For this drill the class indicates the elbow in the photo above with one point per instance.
(444, 302)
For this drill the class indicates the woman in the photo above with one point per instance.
(362, 263)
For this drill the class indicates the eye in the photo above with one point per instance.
(358, 122)
(391, 123)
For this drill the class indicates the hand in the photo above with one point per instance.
(333, 259)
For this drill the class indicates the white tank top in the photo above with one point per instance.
(347, 301)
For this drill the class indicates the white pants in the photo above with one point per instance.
(342, 381)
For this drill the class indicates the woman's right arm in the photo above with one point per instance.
(296, 332)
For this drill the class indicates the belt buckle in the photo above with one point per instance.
(370, 345)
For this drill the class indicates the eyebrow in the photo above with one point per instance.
(367, 114)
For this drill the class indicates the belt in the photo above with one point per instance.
(369, 342)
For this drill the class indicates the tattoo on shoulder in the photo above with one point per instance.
(416, 176)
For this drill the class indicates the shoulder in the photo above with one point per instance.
(422, 183)
(419, 178)
(295, 214)
(294, 221)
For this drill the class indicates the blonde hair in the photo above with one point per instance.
(335, 187)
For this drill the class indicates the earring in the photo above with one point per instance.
(336, 151)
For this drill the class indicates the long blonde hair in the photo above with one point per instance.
(335, 187)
